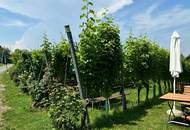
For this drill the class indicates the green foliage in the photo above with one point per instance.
(46, 49)
(5, 56)
(144, 61)
(40, 91)
(88, 14)
(16, 56)
(100, 57)
(138, 58)
(163, 64)
(22, 60)
(22, 70)
(188, 58)
(56, 70)
(159, 63)
(66, 108)
(38, 64)
(61, 60)
(184, 76)
(46, 77)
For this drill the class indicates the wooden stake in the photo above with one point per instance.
(85, 119)
(70, 38)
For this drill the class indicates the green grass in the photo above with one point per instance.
(147, 116)
(21, 116)
(150, 117)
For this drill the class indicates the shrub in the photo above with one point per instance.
(66, 108)
(40, 90)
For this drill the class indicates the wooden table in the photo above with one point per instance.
(178, 98)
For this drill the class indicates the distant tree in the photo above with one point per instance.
(188, 58)
(61, 60)
(5, 56)
(184, 76)
(46, 50)
(138, 59)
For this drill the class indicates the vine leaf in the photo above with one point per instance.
(84, 7)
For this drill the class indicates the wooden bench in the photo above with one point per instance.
(100, 99)
(186, 105)
(186, 91)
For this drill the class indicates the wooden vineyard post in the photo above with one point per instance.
(2, 57)
(124, 106)
(5, 56)
(70, 38)
(85, 118)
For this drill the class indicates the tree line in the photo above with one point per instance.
(5, 56)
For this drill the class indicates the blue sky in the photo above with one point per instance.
(23, 22)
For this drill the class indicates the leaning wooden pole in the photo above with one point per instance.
(70, 38)
(85, 118)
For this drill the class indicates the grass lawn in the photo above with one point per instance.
(147, 116)
(21, 116)
(150, 116)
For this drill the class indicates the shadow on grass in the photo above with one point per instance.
(129, 117)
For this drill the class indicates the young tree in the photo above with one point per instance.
(46, 50)
(138, 59)
(99, 53)
(61, 60)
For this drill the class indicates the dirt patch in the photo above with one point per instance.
(3, 107)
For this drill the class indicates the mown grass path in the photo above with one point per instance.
(21, 116)
(3, 107)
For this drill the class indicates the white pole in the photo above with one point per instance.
(174, 93)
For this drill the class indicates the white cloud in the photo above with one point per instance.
(30, 39)
(114, 6)
(171, 18)
(54, 15)
(13, 23)
(18, 45)
(159, 24)
(42, 9)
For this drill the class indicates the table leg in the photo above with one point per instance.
(171, 110)
(172, 113)
(92, 105)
